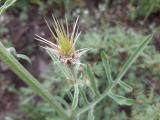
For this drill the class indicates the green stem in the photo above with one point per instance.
(125, 68)
(86, 108)
(132, 59)
(20, 71)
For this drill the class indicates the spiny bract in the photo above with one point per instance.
(65, 47)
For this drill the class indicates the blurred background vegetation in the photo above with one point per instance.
(114, 26)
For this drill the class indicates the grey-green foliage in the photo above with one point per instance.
(123, 41)
(148, 112)
(147, 108)
(119, 42)
(145, 8)
(111, 109)
(113, 83)
(77, 110)
(93, 81)
(37, 87)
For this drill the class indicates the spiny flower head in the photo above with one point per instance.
(65, 47)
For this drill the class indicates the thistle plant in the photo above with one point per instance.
(65, 47)
(67, 58)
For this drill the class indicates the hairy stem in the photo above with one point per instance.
(20, 71)
(125, 68)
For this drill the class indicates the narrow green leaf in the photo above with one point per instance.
(18, 69)
(62, 101)
(76, 97)
(117, 98)
(27, 100)
(91, 114)
(69, 94)
(120, 99)
(107, 68)
(24, 57)
(6, 5)
(83, 94)
(12, 50)
(92, 80)
(125, 86)
(133, 57)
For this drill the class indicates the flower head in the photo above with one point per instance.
(65, 47)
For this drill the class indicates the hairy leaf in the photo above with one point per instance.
(125, 86)
(92, 80)
(107, 68)
(120, 99)
(76, 97)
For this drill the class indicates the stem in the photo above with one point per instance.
(125, 68)
(131, 60)
(93, 103)
(20, 71)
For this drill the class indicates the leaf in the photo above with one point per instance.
(120, 99)
(12, 50)
(125, 86)
(83, 94)
(76, 97)
(62, 101)
(69, 94)
(92, 80)
(24, 57)
(27, 100)
(133, 57)
(37, 87)
(107, 68)
(91, 114)
(6, 5)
